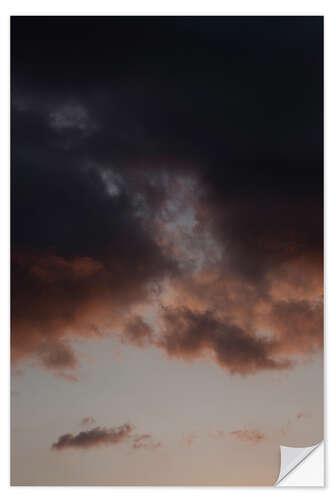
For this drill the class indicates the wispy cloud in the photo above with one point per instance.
(189, 439)
(249, 436)
(145, 442)
(87, 421)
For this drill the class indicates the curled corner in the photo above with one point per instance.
(291, 457)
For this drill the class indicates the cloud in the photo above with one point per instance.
(270, 332)
(288, 426)
(137, 331)
(57, 355)
(67, 376)
(55, 298)
(145, 442)
(300, 415)
(99, 436)
(189, 439)
(249, 436)
(219, 434)
(87, 421)
(70, 116)
(298, 325)
(253, 436)
(192, 200)
(103, 436)
(189, 334)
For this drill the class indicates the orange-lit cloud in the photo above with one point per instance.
(225, 289)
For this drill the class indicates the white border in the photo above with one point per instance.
(140, 7)
(166, 7)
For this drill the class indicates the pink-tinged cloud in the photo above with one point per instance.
(249, 436)
(87, 421)
(189, 439)
(145, 442)
(219, 434)
(302, 414)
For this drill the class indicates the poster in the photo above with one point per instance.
(166, 248)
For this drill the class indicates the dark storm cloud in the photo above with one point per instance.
(103, 110)
(196, 88)
(241, 98)
(98, 436)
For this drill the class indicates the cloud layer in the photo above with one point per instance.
(185, 215)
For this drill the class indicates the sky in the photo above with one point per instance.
(166, 248)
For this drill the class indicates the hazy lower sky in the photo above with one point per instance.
(166, 248)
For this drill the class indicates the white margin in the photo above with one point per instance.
(147, 7)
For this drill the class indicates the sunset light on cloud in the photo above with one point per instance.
(167, 248)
